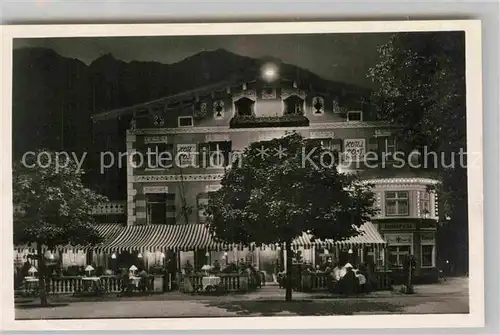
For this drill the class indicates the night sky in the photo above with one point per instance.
(339, 57)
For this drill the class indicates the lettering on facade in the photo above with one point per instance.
(155, 139)
(155, 189)
(398, 225)
(322, 134)
(354, 149)
(217, 138)
(395, 239)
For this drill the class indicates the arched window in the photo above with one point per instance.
(244, 107)
(294, 105)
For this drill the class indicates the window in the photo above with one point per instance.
(427, 251)
(397, 254)
(244, 107)
(331, 144)
(293, 105)
(390, 145)
(396, 203)
(425, 207)
(355, 116)
(160, 208)
(158, 156)
(185, 121)
(215, 154)
(202, 202)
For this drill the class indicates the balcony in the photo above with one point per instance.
(251, 121)
(110, 208)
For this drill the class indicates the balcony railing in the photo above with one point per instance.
(268, 121)
(110, 208)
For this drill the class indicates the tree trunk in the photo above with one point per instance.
(41, 275)
(288, 283)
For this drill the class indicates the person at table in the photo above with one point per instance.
(349, 282)
(188, 268)
(26, 269)
(216, 266)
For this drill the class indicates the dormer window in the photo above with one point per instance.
(185, 121)
(244, 107)
(355, 116)
(294, 105)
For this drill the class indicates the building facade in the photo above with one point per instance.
(202, 130)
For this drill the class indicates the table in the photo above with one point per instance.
(32, 284)
(91, 284)
(212, 281)
(135, 280)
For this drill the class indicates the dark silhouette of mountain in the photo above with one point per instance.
(55, 96)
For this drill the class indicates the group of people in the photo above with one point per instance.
(344, 278)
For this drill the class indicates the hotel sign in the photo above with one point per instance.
(398, 225)
(186, 154)
(354, 149)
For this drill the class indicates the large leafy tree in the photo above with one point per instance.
(54, 206)
(279, 189)
(420, 86)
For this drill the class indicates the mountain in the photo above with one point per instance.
(55, 96)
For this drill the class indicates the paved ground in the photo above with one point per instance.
(447, 297)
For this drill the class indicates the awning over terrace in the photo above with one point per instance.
(368, 235)
(181, 237)
(108, 232)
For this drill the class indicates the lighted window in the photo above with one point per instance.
(425, 207)
(397, 254)
(396, 203)
(427, 255)
(215, 154)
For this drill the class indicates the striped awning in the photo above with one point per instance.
(108, 232)
(180, 237)
(368, 235)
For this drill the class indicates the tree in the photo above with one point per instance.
(420, 86)
(55, 207)
(279, 189)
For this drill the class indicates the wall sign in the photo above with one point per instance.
(355, 149)
(155, 139)
(155, 189)
(398, 225)
(398, 239)
(322, 134)
(186, 155)
(217, 138)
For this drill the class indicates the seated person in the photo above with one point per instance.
(216, 266)
(349, 282)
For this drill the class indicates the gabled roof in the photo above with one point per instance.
(115, 113)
